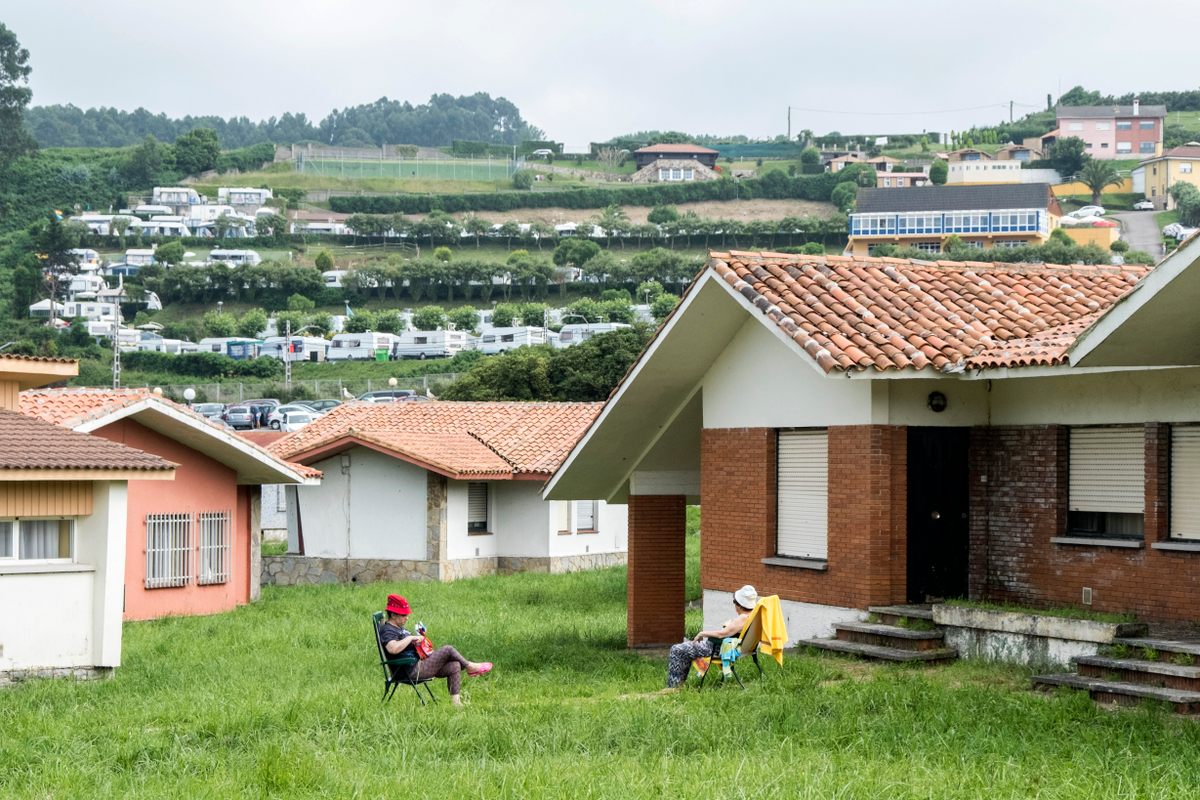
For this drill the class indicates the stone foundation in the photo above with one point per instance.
(13, 676)
(292, 570)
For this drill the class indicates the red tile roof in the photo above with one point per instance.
(493, 440)
(46, 359)
(855, 314)
(27, 443)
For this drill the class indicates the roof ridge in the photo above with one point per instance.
(479, 438)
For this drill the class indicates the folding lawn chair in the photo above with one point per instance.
(396, 670)
(747, 644)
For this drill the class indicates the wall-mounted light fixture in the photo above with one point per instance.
(937, 402)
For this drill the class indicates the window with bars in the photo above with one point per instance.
(37, 539)
(477, 507)
(585, 515)
(1107, 482)
(214, 548)
(168, 550)
(802, 494)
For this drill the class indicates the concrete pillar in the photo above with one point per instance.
(655, 591)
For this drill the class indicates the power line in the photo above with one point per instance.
(909, 113)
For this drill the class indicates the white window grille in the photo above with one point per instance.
(585, 515)
(802, 526)
(168, 550)
(215, 547)
(1185, 482)
(1107, 481)
(477, 507)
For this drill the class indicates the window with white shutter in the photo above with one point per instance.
(1107, 481)
(477, 507)
(560, 511)
(1185, 482)
(585, 515)
(802, 489)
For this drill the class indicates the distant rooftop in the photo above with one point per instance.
(954, 198)
(1108, 112)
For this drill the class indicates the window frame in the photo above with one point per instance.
(222, 551)
(481, 527)
(1104, 522)
(173, 555)
(1173, 489)
(575, 506)
(14, 539)
(818, 554)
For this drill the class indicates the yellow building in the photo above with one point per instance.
(1179, 164)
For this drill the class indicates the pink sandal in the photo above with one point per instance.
(483, 669)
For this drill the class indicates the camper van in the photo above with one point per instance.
(499, 340)
(300, 348)
(242, 196)
(233, 258)
(576, 333)
(431, 344)
(243, 349)
(361, 346)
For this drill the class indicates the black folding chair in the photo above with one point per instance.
(399, 669)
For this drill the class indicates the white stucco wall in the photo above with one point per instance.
(273, 519)
(522, 521)
(69, 615)
(611, 536)
(758, 382)
(803, 620)
(377, 510)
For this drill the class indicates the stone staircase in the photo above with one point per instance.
(1146, 669)
(896, 633)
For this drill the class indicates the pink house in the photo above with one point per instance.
(1114, 131)
(192, 545)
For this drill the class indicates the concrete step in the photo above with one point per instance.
(1121, 693)
(890, 615)
(1136, 670)
(1164, 649)
(888, 636)
(878, 653)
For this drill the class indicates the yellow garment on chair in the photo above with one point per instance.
(774, 629)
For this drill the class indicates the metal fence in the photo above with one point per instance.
(337, 389)
(379, 166)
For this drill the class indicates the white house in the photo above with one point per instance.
(63, 510)
(440, 490)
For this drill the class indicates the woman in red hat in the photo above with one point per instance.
(445, 662)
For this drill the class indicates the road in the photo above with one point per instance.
(1141, 231)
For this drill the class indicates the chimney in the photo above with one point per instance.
(1136, 102)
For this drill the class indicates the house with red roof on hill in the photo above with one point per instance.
(62, 534)
(441, 490)
(861, 432)
(672, 163)
(192, 545)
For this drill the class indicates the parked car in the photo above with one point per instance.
(241, 417)
(320, 406)
(1088, 211)
(275, 417)
(294, 420)
(210, 410)
(1143, 205)
(387, 396)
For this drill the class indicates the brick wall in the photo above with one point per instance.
(655, 590)
(867, 516)
(1023, 503)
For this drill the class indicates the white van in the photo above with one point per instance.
(367, 346)
(431, 344)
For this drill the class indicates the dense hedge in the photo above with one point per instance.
(203, 365)
(775, 185)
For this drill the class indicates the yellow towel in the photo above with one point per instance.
(774, 629)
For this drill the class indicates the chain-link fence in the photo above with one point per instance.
(337, 389)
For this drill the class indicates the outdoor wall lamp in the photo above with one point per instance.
(937, 402)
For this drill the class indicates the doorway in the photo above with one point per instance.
(938, 508)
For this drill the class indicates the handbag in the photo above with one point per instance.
(424, 648)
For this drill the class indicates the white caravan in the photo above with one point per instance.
(498, 340)
(431, 344)
(367, 346)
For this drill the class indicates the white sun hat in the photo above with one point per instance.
(746, 597)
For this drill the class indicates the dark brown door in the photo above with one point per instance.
(937, 513)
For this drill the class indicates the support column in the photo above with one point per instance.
(655, 593)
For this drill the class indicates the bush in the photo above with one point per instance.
(1119, 246)
(522, 179)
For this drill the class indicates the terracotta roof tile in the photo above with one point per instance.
(496, 440)
(34, 444)
(896, 314)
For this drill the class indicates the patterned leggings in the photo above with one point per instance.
(445, 662)
(680, 660)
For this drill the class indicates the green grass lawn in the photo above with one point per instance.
(281, 699)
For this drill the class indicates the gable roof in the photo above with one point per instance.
(30, 371)
(882, 314)
(1108, 112)
(1183, 151)
(33, 449)
(981, 197)
(87, 410)
(676, 148)
(496, 441)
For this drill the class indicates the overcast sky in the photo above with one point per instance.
(587, 71)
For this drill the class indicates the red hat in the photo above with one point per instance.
(398, 605)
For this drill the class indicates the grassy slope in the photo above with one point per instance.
(280, 699)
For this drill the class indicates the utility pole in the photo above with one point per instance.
(116, 372)
(789, 123)
(1010, 110)
(287, 356)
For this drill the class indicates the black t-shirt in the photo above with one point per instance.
(389, 632)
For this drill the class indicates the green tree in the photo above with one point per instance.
(522, 179)
(939, 172)
(361, 322)
(324, 261)
(15, 95)
(145, 163)
(649, 291)
(197, 151)
(663, 305)
(54, 242)
(170, 254)
(521, 374)
(251, 323)
(843, 196)
(575, 252)
(463, 318)
(1067, 155)
(429, 318)
(810, 161)
(663, 215)
(1098, 175)
(219, 323)
(505, 315)
(299, 302)
(442, 254)
(591, 370)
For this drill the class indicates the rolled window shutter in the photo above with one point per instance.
(1185, 482)
(477, 503)
(1108, 470)
(803, 494)
(585, 515)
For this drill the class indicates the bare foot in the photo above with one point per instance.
(456, 700)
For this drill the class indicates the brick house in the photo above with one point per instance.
(864, 431)
(440, 490)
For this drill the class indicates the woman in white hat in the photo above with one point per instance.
(701, 645)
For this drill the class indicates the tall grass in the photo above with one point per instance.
(281, 699)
